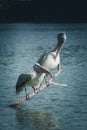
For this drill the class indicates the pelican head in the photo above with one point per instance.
(61, 37)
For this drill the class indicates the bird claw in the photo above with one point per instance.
(37, 90)
(53, 77)
(27, 97)
(47, 84)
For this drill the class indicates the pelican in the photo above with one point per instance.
(51, 60)
(43, 67)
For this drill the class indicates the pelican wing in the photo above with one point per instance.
(42, 58)
(22, 80)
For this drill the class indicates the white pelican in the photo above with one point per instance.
(51, 60)
(43, 67)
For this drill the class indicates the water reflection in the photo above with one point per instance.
(36, 120)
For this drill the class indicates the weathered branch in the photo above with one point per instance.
(40, 88)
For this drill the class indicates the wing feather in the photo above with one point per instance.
(21, 82)
(42, 58)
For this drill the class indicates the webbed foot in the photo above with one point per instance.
(36, 90)
(27, 96)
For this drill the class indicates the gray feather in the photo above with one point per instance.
(22, 80)
(42, 58)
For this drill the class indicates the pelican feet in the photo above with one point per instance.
(27, 97)
(47, 83)
(36, 90)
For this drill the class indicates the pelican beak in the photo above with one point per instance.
(60, 45)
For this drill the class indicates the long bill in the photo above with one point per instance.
(59, 46)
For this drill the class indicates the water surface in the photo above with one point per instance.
(54, 108)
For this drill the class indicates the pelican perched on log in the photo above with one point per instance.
(51, 60)
(43, 67)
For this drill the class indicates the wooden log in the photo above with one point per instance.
(40, 88)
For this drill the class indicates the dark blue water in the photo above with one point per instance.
(54, 108)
